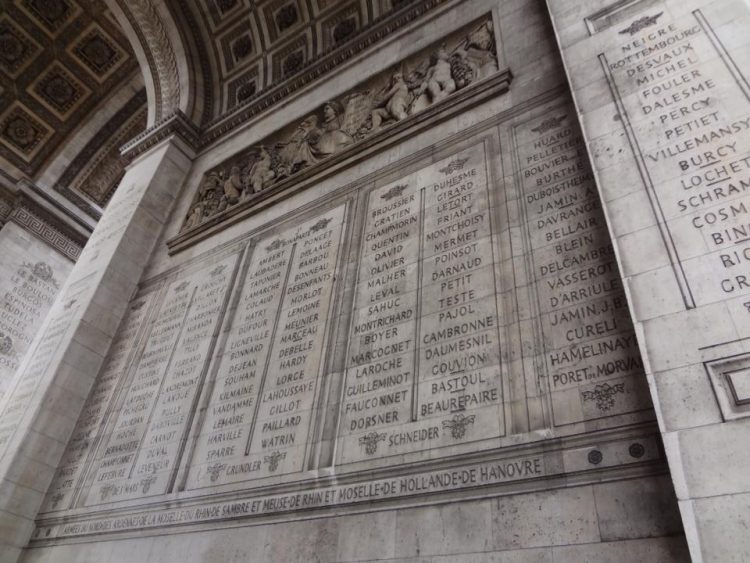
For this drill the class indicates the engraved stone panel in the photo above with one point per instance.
(592, 361)
(32, 276)
(684, 103)
(260, 418)
(98, 406)
(423, 360)
(397, 341)
(26, 381)
(139, 454)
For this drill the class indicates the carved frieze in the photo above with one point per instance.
(408, 88)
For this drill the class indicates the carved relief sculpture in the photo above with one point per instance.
(415, 84)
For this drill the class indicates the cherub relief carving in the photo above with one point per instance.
(394, 104)
(438, 82)
(381, 102)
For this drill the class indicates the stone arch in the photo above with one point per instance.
(165, 59)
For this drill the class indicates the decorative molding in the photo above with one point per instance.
(176, 124)
(43, 224)
(148, 24)
(104, 145)
(730, 379)
(7, 201)
(63, 213)
(151, 24)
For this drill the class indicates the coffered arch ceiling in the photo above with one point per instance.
(214, 56)
(59, 59)
(63, 62)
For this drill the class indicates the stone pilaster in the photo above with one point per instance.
(661, 89)
(44, 399)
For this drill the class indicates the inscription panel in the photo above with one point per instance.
(592, 360)
(258, 422)
(26, 382)
(686, 110)
(27, 295)
(314, 353)
(86, 435)
(423, 360)
(139, 455)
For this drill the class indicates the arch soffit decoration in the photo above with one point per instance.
(161, 53)
(206, 60)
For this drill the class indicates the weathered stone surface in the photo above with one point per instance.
(662, 93)
(33, 273)
(454, 335)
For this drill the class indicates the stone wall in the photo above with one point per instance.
(662, 93)
(419, 349)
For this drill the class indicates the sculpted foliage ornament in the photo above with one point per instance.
(370, 442)
(43, 271)
(640, 24)
(6, 345)
(215, 470)
(147, 482)
(549, 124)
(218, 270)
(414, 85)
(320, 225)
(454, 166)
(604, 395)
(106, 491)
(274, 459)
(458, 425)
(395, 191)
(56, 499)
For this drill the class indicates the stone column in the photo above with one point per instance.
(662, 93)
(44, 400)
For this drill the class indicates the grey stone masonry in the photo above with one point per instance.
(661, 89)
(44, 399)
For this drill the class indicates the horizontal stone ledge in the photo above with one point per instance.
(509, 475)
